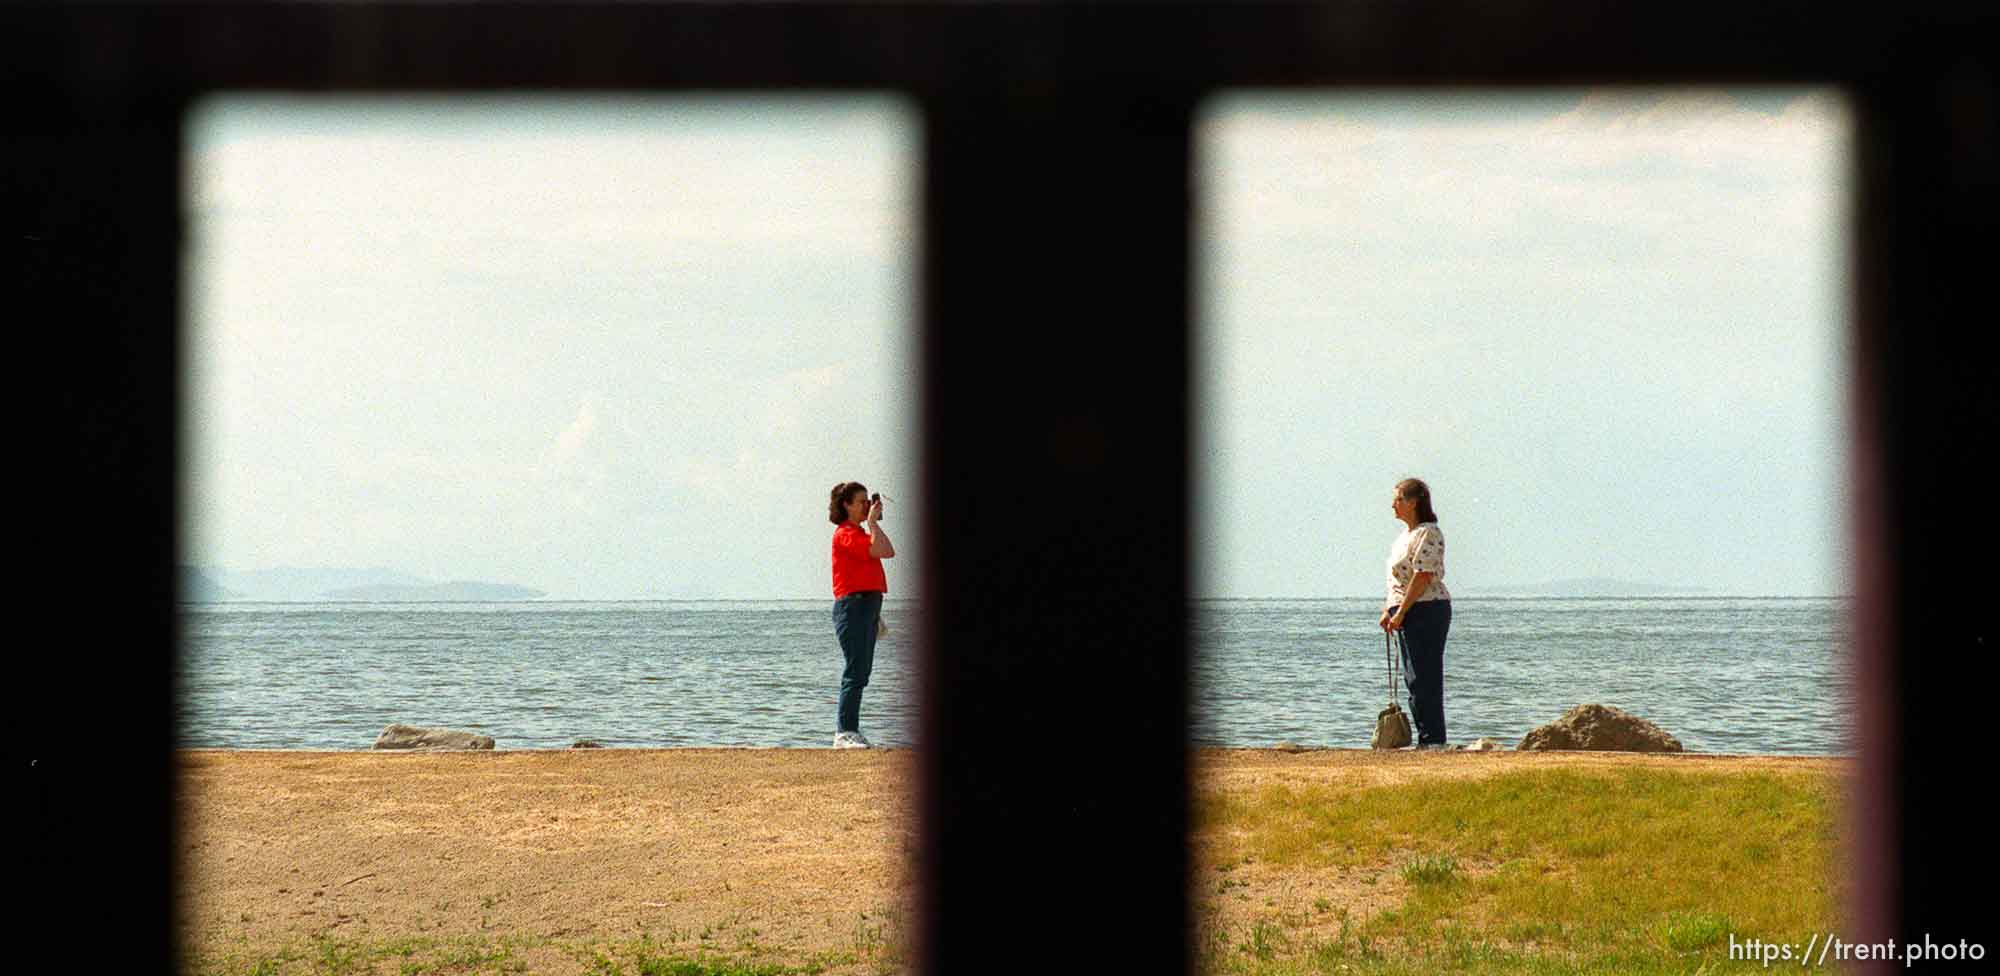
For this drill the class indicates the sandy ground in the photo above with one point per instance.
(796, 851)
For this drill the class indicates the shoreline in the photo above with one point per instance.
(1194, 750)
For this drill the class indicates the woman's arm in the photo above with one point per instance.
(1418, 584)
(879, 545)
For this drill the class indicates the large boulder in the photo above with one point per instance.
(1600, 728)
(418, 739)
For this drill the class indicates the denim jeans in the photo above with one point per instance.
(854, 621)
(1424, 630)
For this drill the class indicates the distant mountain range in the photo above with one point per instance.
(312, 585)
(457, 590)
(199, 586)
(296, 585)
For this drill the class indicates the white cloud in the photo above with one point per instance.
(504, 183)
(1699, 129)
(481, 336)
(1635, 294)
(573, 437)
(1638, 159)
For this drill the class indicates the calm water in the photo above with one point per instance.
(1721, 675)
(1724, 675)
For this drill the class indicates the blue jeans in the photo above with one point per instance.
(854, 621)
(1424, 630)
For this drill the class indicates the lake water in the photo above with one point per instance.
(1721, 674)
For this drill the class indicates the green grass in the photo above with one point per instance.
(1545, 871)
(875, 946)
(1690, 932)
(1536, 872)
(1431, 869)
(324, 955)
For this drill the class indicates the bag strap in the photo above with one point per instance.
(1390, 650)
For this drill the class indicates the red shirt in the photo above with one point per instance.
(854, 570)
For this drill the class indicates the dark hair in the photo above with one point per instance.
(836, 507)
(1412, 489)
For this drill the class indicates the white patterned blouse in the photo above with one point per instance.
(1418, 550)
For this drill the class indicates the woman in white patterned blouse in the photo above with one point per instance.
(1420, 607)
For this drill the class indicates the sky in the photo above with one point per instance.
(608, 349)
(1607, 327)
(620, 348)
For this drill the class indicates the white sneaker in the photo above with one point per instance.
(849, 740)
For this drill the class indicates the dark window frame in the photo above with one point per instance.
(1038, 117)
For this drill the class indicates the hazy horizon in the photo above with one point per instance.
(620, 347)
(1605, 587)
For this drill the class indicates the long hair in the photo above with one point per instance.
(836, 506)
(1414, 490)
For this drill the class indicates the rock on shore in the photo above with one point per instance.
(1600, 728)
(430, 740)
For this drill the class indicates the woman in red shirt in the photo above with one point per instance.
(858, 585)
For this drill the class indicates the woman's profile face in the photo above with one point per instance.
(1400, 505)
(856, 505)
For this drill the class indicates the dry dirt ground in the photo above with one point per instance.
(798, 852)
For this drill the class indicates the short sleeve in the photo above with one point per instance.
(854, 541)
(1427, 552)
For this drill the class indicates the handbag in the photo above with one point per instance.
(1392, 727)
